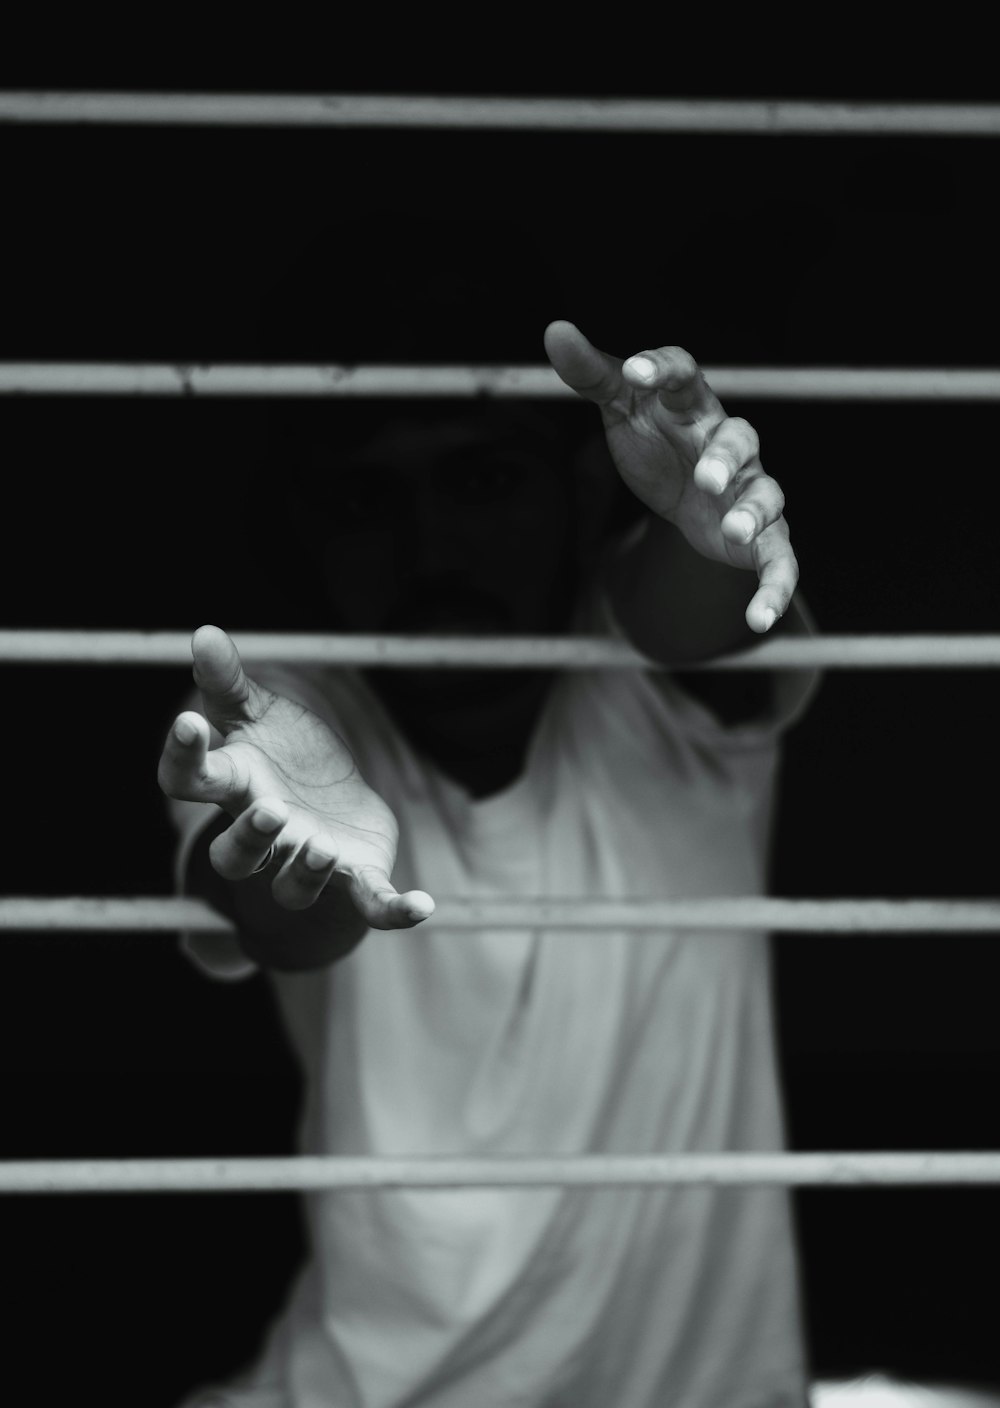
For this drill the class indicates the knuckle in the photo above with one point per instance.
(680, 356)
(761, 492)
(744, 436)
(771, 499)
(680, 363)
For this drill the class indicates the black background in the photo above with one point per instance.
(151, 245)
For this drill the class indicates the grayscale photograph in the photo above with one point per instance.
(501, 647)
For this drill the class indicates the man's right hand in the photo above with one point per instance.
(287, 781)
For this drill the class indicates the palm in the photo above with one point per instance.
(683, 457)
(655, 450)
(292, 788)
(290, 754)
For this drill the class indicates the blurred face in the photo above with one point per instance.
(461, 526)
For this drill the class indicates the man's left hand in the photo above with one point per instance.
(690, 463)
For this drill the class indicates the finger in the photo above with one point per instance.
(306, 874)
(759, 503)
(778, 575)
(241, 850)
(591, 373)
(230, 696)
(188, 770)
(676, 376)
(732, 446)
(382, 906)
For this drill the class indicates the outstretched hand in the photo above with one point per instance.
(289, 783)
(690, 463)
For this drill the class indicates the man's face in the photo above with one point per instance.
(462, 525)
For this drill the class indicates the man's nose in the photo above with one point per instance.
(446, 539)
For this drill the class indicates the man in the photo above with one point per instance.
(339, 805)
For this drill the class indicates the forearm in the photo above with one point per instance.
(267, 933)
(680, 609)
(675, 605)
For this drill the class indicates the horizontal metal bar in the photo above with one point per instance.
(240, 379)
(265, 379)
(318, 1173)
(753, 117)
(173, 648)
(139, 914)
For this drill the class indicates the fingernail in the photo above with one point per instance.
(642, 367)
(716, 473)
(770, 616)
(266, 821)
(419, 906)
(318, 858)
(744, 524)
(185, 731)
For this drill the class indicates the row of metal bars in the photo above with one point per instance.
(81, 915)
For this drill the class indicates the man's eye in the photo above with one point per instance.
(485, 482)
(360, 500)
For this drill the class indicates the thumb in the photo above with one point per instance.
(230, 696)
(591, 373)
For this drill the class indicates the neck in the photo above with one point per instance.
(477, 732)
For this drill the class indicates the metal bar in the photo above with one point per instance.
(318, 1173)
(173, 648)
(83, 914)
(752, 117)
(261, 379)
(338, 380)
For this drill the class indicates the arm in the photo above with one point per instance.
(644, 586)
(681, 591)
(302, 859)
(674, 604)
